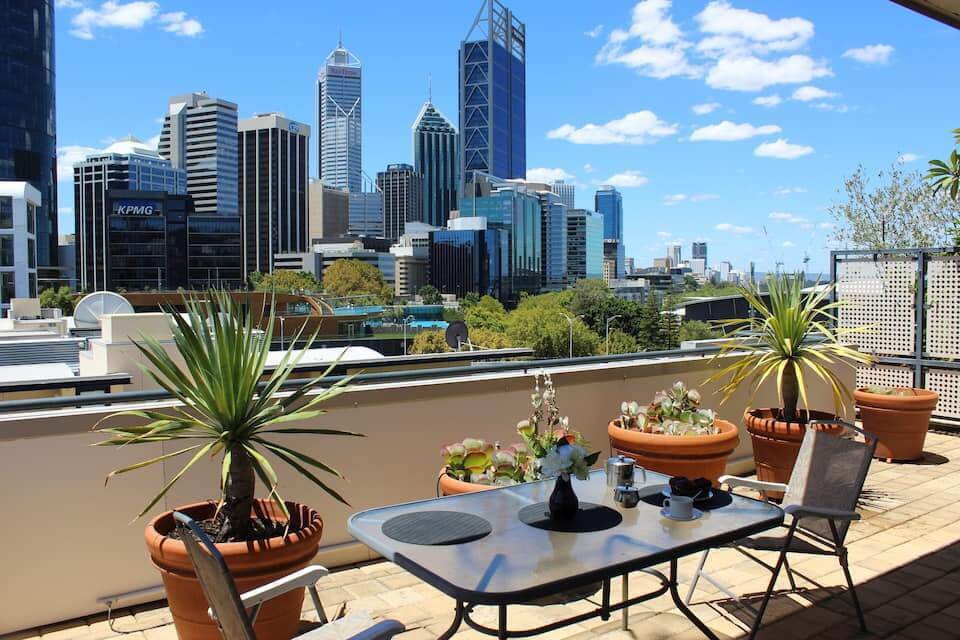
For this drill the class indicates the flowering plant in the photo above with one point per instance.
(480, 462)
(675, 411)
(545, 426)
(564, 458)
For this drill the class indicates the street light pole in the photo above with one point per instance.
(406, 321)
(570, 320)
(607, 338)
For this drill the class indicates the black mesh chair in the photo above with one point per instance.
(229, 608)
(821, 500)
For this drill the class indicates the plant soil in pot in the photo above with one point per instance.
(898, 417)
(251, 564)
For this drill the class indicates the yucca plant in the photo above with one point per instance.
(228, 409)
(793, 336)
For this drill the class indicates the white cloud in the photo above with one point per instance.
(727, 131)
(133, 15)
(782, 192)
(705, 108)
(750, 73)
(595, 32)
(664, 234)
(904, 158)
(809, 93)
(661, 52)
(677, 198)
(788, 243)
(783, 216)
(826, 225)
(548, 175)
(829, 106)
(870, 54)
(588, 168)
(652, 23)
(672, 199)
(733, 228)
(741, 30)
(69, 155)
(768, 101)
(627, 179)
(782, 149)
(640, 127)
(178, 23)
(703, 197)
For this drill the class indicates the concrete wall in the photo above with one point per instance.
(68, 540)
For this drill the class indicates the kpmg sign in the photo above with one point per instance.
(128, 207)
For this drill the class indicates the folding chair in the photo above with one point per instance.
(821, 499)
(228, 608)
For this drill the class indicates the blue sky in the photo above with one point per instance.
(734, 122)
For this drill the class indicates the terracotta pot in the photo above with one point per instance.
(450, 486)
(251, 564)
(776, 443)
(690, 456)
(899, 422)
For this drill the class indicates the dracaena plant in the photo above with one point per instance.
(787, 340)
(230, 408)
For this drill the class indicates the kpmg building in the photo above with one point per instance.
(492, 68)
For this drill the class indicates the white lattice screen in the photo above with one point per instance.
(884, 376)
(946, 382)
(879, 294)
(943, 307)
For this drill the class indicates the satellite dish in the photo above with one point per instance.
(456, 334)
(89, 311)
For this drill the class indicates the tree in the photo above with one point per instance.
(901, 211)
(690, 283)
(669, 329)
(487, 313)
(61, 298)
(648, 325)
(430, 294)
(538, 323)
(587, 294)
(621, 342)
(489, 339)
(697, 330)
(452, 315)
(946, 175)
(469, 300)
(429, 342)
(285, 281)
(350, 277)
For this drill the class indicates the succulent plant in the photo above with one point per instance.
(888, 391)
(675, 411)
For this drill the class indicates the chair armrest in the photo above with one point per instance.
(757, 485)
(306, 577)
(799, 511)
(383, 630)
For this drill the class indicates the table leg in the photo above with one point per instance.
(502, 626)
(455, 625)
(677, 600)
(624, 596)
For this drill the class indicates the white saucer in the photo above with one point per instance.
(666, 514)
(700, 498)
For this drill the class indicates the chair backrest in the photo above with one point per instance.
(829, 473)
(216, 582)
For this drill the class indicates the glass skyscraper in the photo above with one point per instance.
(493, 136)
(436, 160)
(28, 116)
(584, 245)
(339, 120)
(566, 191)
(609, 203)
(469, 260)
(553, 240)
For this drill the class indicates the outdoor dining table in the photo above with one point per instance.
(496, 548)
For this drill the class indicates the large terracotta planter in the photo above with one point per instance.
(898, 421)
(251, 564)
(450, 486)
(690, 456)
(776, 443)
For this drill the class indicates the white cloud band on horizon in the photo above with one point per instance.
(639, 127)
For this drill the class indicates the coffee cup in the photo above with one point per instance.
(679, 507)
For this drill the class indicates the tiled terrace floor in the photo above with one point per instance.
(904, 554)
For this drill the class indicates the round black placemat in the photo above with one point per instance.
(436, 527)
(590, 517)
(719, 499)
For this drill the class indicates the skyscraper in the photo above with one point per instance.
(609, 203)
(200, 135)
(274, 185)
(400, 186)
(699, 251)
(493, 137)
(675, 254)
(567, 193)
(553, 240)
(435, 158)
(584, 245)
(28, 118)
(339, 120)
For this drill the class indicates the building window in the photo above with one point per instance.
(31, 253)
(33, 285)
(8, 289)
(6, 251)
(6, 212)
(31, 218)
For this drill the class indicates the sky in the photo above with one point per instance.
(733, 122)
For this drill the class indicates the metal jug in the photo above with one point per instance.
(619, 471)
(627, 495)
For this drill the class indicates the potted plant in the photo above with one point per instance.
(674, 435)
(786, 340)
(229, 411)
(898, 417)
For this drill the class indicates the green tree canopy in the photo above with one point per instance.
(538, 323)
(285, 281)
(697, 330)
(621, 342)
(469, 300)
(489, 339)
(487, 313)
(429, 342)
(350, 277)
(430, 294)
(61, 298)
(587, 294)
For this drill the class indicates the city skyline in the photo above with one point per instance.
(697, 155)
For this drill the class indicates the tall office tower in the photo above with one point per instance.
(28, 117)
(436, 159)
(675, 254)
(567, 193)
(274, 183)
(339, 120)
(400, 186)
(127, 165)
(329, 211)
(553, 240)
(493, 122)
(609, 203)
(200, 135)
(584, 245)
(699, 251)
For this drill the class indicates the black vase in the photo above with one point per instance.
(563, 501)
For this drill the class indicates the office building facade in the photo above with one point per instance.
(492, 82)
(329, 211)
(20, 204)
(339, 120)
(366, 213)
(436, 160)
(400, 185)
(608, 202)
(699, 250)
(28, 117)
(675, 253)
(200, 135)
(584, 245)
(470, 259)
(273, 188)
(553, 240)
(127, 165)
(566, 192)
